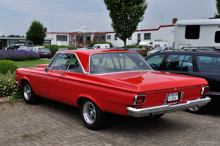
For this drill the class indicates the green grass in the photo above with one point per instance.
(32, 63)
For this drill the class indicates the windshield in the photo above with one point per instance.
(158, 49)
(95, 46)
(117, 62)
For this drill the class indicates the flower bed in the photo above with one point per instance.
(18, 55)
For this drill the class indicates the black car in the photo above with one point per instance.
(45, 53)
(203, 63)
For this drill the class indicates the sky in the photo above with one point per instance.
(68, 15)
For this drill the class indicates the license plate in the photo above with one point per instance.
(173, 97)
(45, 53)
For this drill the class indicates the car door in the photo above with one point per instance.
(74, 81)
(179, 63)
(208, 67)
(55, 74)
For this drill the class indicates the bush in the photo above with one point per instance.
(7, 66)
(142, 52)
(92, 44)
(133, 46)
(8, 86)
(54, 48)
(18, 55)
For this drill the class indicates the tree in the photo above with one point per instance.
(125, 15)
(12, 35)
(217, 15)
(36, 33)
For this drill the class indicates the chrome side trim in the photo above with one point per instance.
(17, 83)
(142, 112)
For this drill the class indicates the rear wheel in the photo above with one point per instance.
(198, 110)
(28, 94)
(93, 117)
(157, 116)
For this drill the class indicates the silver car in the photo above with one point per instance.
(158, 49)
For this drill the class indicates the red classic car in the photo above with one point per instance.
(110, 81)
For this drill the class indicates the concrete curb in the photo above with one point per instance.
(10, 101)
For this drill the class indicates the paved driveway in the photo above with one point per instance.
(51, 123)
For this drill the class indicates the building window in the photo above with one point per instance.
(108, 37)
(96, 38)
(147, 36)
(103, 37)
(192, 32)
(116, 38)
(217, 36)
(138, 38)
(61, 37)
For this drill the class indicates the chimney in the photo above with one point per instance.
(174, 20)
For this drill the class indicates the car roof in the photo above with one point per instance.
(93, 51)
(84, 55)
(192, 52)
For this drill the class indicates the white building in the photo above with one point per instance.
(163, 32)
(58, 38)
(82, 39)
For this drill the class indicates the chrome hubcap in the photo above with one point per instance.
(89, 112)
(27, 92)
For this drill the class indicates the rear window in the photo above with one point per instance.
(208, 63)
(117, 62)
(44, 50)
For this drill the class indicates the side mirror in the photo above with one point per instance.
(46, 69)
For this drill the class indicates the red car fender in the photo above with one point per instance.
(26, 78)
(91, 98)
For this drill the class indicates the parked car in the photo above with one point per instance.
(117, 48)
(134, 49)
(203, 63)
(44, 53)
(62, 49)
(101, 46)
(27, 48)
(37, 49)
(101, 81)
(158, 49)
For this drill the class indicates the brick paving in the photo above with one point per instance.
(55, 124)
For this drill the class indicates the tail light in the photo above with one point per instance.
(40, 53)
(205, 90)
(50, 53)
(139, 99)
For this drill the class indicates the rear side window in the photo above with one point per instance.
(208, 63)
(155, 61)
(192, 32)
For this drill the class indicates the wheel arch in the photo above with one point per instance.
(82, 97)
(23, 80)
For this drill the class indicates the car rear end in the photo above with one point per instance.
(44, 53)
(168, 100)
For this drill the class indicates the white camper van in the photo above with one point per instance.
(101, 46)
(197, 33)
(155, 43)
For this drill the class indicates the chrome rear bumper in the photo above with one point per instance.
(142, 112)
